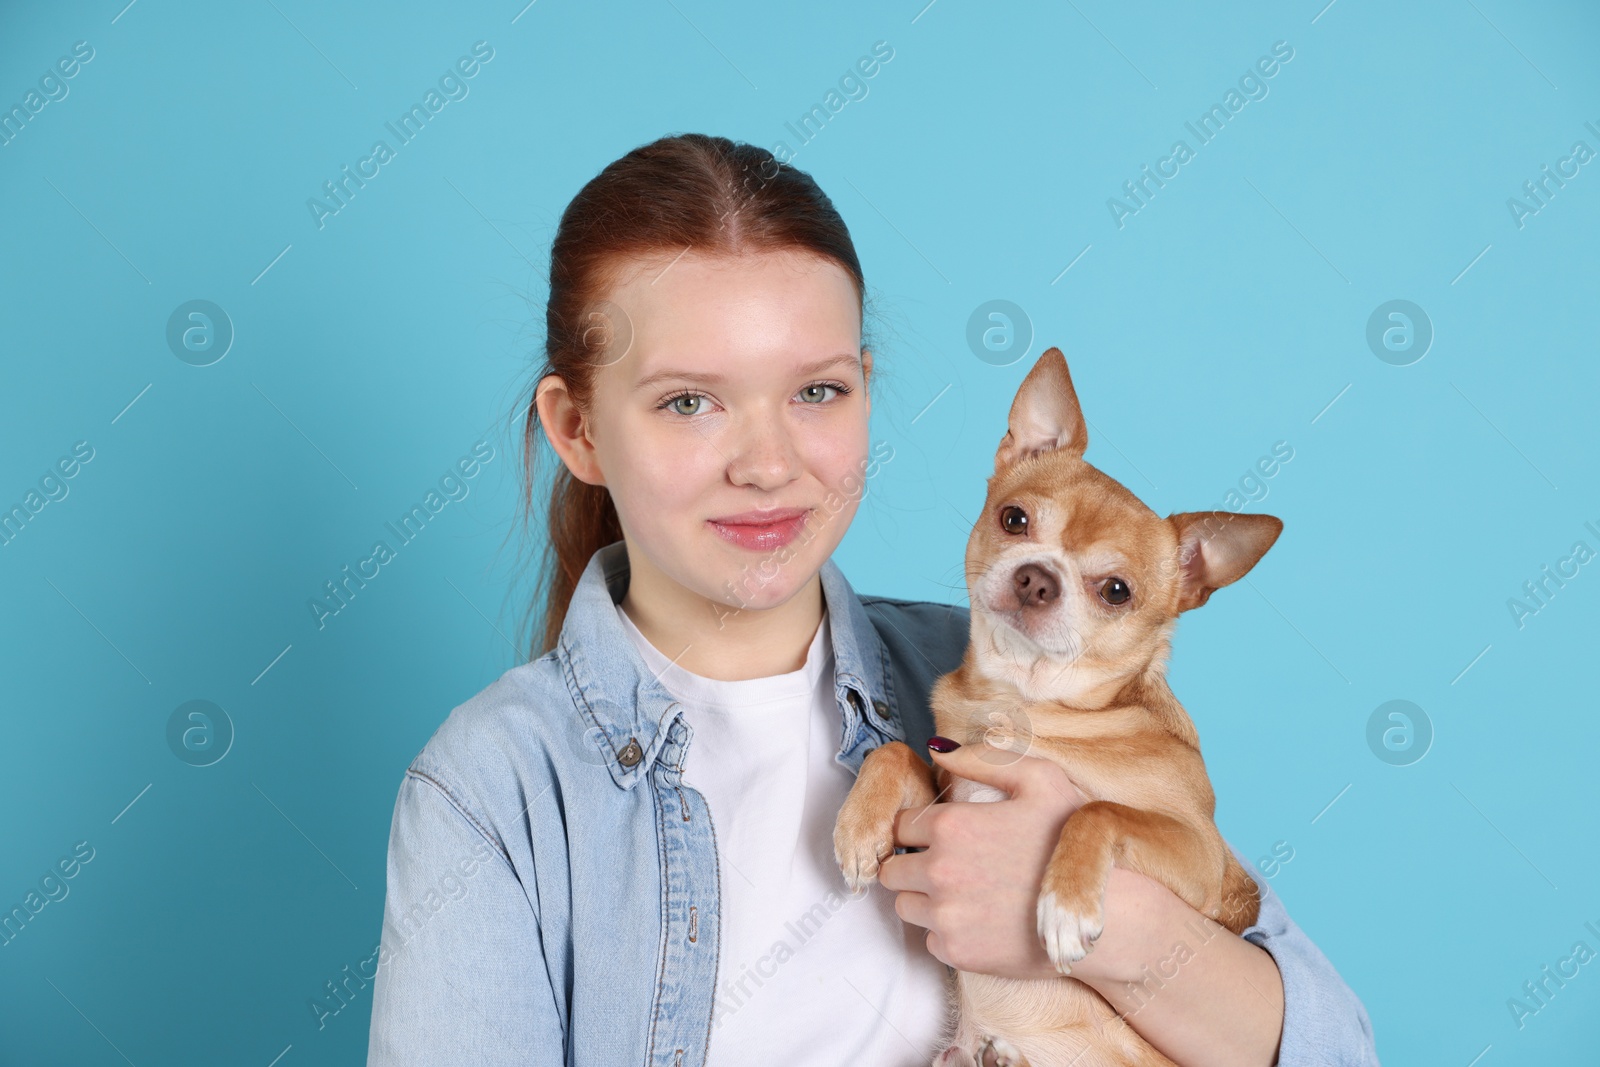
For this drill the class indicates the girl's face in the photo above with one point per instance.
(742, 389)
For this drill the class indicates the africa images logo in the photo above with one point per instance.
(1252, 86)
(453, 485)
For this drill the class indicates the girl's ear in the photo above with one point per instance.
(566, 429)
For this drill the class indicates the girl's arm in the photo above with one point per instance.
(1267, 997)
(461, 974)
(1189, 987)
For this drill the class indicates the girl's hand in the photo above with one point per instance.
(976, 890)
(976, 887)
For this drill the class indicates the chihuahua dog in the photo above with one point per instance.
(1076, 587)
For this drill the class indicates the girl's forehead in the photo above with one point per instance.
(771, 312)
(664, 279)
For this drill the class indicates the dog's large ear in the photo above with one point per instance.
(1045, 415)
(1217, 548)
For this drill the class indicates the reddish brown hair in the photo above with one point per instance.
(684, 192)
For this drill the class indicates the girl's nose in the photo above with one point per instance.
(767, 458)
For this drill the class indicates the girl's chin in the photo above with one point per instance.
(761, 583)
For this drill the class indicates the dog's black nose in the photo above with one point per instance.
(1034, 586)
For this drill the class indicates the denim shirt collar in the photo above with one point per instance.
(630, 714)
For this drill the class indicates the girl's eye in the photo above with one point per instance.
(815, 388)
(689, 403)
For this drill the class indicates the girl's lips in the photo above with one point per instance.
(760, 516)
(761, 537)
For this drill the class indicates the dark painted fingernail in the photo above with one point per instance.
(943, 744)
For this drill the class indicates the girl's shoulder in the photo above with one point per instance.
(919, 608)
(939, 630)
(921, 640)
(502, 743)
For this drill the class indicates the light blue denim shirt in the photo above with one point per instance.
(553, 885)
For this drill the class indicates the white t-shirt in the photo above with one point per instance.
(807, 973)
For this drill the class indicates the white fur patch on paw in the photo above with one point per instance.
(1067, 935)
(858, 863)
(968, 790)
(1006, 1054)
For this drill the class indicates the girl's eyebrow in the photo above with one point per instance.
(718, 379)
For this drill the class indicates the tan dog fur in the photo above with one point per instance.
(1079, 680)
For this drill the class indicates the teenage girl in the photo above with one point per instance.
(621, 851)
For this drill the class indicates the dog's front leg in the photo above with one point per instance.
(1071, 911)
(892, 777)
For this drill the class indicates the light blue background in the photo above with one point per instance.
(1225, 316)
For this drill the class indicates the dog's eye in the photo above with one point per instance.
(1013, 519)
(1115, 591)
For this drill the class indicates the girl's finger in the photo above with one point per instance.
(913, 827)
(905, 871)
(915, 909)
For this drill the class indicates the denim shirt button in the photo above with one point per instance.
(630, 753)
(854, 698)
(881, 708)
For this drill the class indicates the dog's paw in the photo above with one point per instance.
(1068, 933)
(859, 864)
(998, 1052)
(859, 847)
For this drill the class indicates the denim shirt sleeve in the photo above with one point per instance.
(461, 971)
(1324, 1022)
